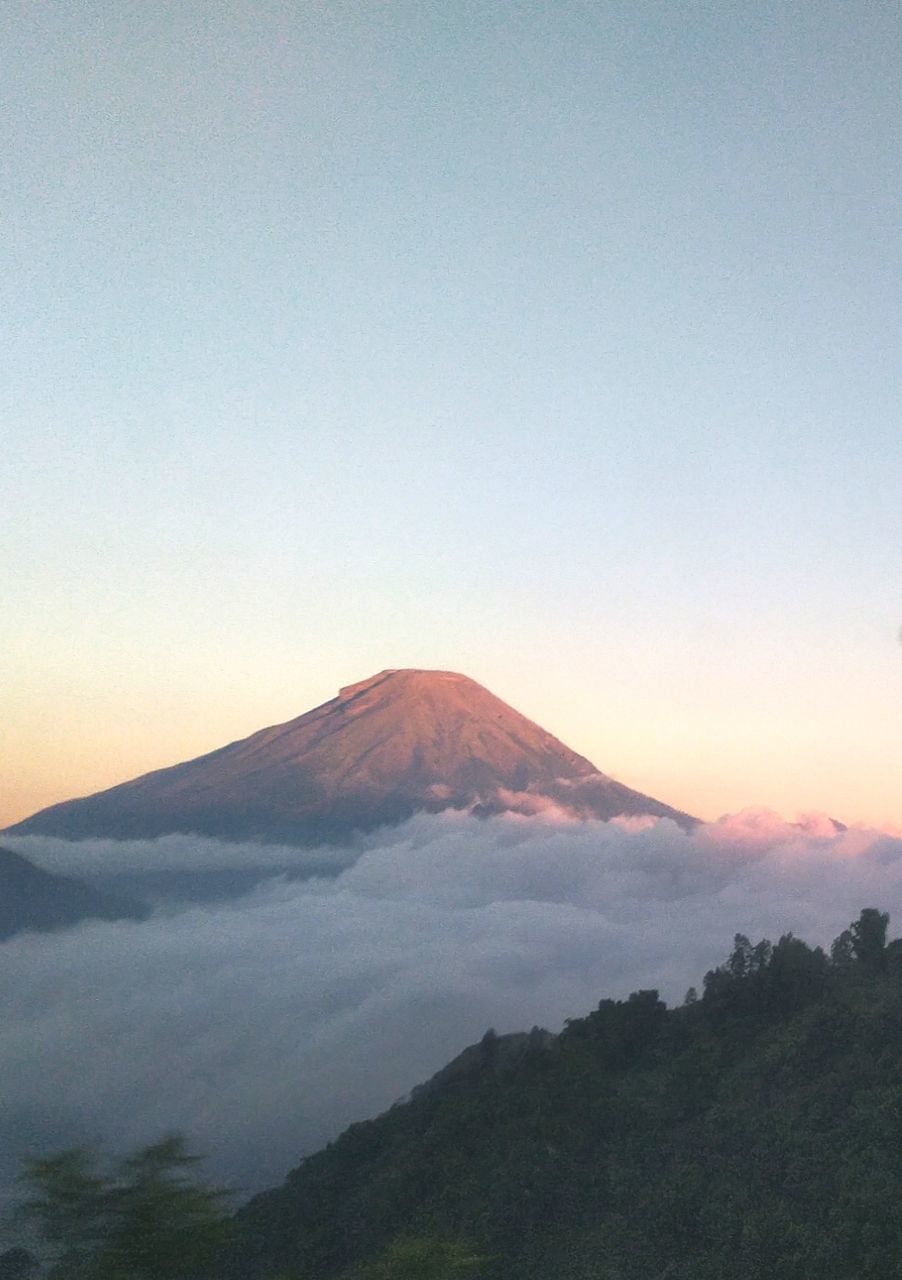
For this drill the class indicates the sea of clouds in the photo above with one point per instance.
(261, 1026)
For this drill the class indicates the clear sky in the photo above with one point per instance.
(555, 343)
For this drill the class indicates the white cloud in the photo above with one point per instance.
(94, 859)
(263, 1026)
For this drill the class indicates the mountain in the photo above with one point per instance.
(399, 743)
(34, 899)
(752, 1132)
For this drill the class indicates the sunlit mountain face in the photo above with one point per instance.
(396, 744)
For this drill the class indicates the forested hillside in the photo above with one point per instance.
(754, 1131)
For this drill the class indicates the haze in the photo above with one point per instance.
(555, 344)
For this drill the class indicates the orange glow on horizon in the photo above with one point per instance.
(77, 727)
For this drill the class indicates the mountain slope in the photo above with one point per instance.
(34, 899)
(754, 1132)
(396, 744)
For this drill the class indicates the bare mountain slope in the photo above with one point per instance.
(396, 744)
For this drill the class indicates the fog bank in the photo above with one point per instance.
(262, 1026)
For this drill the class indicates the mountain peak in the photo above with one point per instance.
(351, 690)
(406, 679)
(403, 741)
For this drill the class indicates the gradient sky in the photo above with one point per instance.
(553, 343)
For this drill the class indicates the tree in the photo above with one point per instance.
(869, 938)
(739, 964)
(795, 975)
(147, 1219)
(69, 1201)
(488, 1046)
(842, 953)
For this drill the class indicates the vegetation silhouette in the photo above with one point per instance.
(755, 1130)
(422, 1258)
(146, 1218)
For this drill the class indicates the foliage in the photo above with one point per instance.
(756, 1130)
(146, 1219)
(17, 1264)
(423, 1258)
(869, 937)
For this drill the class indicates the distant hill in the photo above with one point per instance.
(399, 743)
(753, 1132)
(34, 899)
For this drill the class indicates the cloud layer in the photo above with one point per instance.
(263, 1026)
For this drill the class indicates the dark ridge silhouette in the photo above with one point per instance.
(34, 899)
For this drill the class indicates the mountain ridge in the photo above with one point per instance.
(402, 741)
(41, 901)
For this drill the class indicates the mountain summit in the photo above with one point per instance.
(399, 743)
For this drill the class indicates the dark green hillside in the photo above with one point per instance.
(755, 1131)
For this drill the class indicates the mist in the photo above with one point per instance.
(261, 1026)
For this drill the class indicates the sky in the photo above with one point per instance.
(263, 1026)
(556, 344)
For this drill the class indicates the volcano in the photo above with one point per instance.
(400, 743)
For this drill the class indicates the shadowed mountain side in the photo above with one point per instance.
(34, 899)
(399, 743)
